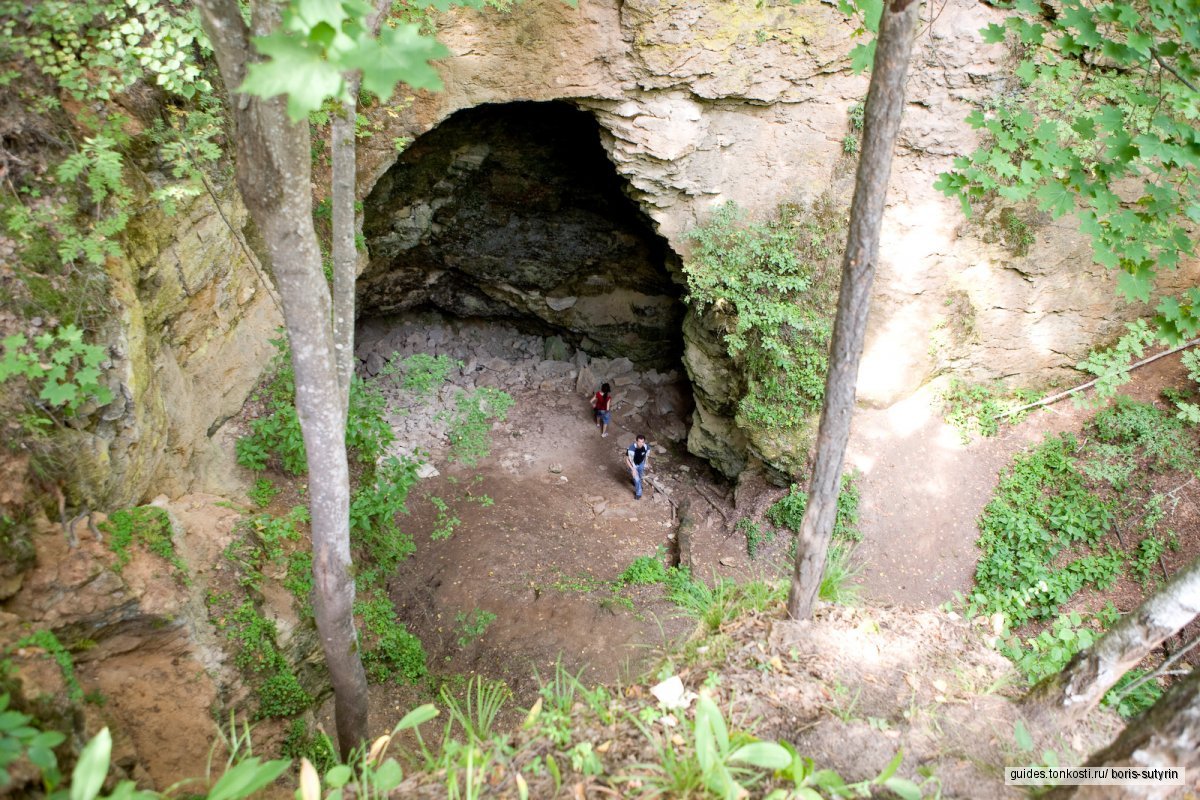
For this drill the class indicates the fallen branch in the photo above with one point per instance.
(1045, 401)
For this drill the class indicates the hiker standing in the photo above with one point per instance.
(602, 403)
(636, 458)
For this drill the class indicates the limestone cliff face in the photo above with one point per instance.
(696, 102)
(700, 102)
(188, 345)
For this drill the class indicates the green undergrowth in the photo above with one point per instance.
(838, 581)
(146, 526)
(277, 544)
(275, 438)
(1072, 517)
(978, 409)
(772, 287)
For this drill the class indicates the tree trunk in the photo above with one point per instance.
(343, 196)
(881, 121)
(1165, 737)
(345, 256)
(1063, 698)
(273, 173)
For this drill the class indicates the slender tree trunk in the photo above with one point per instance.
(344, 194)
(881, 121)
(345, 256)
(1063, 698)
(1165, 737)
(273, 172)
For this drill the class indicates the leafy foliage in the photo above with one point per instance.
(756, 535)
(277, 688)
(772, 286)
(1108, 103)
(788, 511)
(275, 436)
(19, 738)
(96, 49)
(471, 421)
(319, 42)
(645, 570)
(390, 652)
(65, 371)
(978, 409)
(473, 625)
(1045, 534)
(1042, 508)
(150, 526)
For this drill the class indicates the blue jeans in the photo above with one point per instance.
(638, 473)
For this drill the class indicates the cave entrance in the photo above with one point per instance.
(513, 212)
(504, 240)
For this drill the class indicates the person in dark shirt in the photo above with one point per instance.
(636, 458)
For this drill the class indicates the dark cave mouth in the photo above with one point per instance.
(514, 213)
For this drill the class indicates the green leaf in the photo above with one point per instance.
(388, 776)
(42, 758)
(891, 767)
(48, 739)
(418, 716)
(296, 69)
(247, 778)
(1055, 198)
(57, 394)
(89, 772)
(402, 54)
(903, 788)
(767, 755)
(862, 56)
(993, 34)
(1024, 739)
(338, 777)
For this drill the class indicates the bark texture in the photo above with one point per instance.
(345, 256)
(343, 195)
(1165, 737)
(273, 174)
(881, 122)
(1063, 698)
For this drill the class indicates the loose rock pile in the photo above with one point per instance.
(492, 355)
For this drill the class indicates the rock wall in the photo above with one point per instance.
(189, 342)
(701, 101)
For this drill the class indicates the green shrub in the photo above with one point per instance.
(149, 526)
(471, 421)
(644, 570)
(281, 695)
(756, 535)
(63, 370)
(315, 746)
(390, 652)
(775, 283)
(272, 531)
(472, 626)
(421, 373)
(275, 436)
(788, 511)
(380, 543)
(1041, 508)
(263, 492)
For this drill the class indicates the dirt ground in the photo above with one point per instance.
(923, 489)
(562, 520)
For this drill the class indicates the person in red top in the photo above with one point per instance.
(602, 403)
